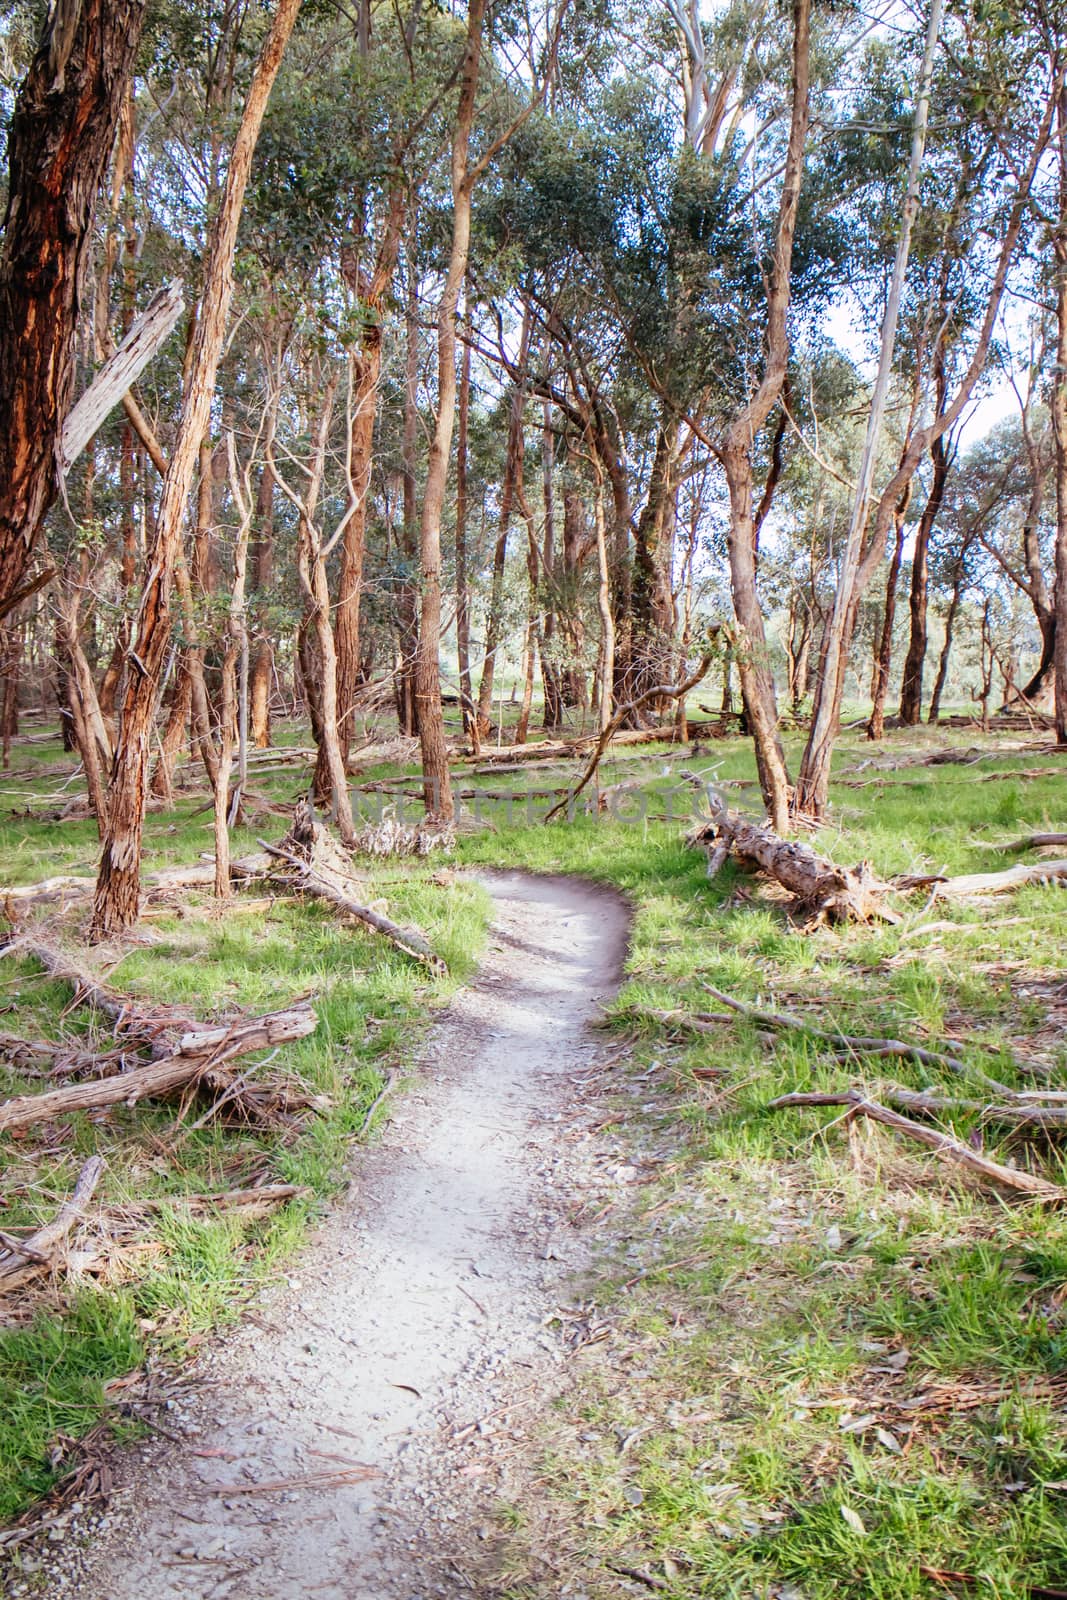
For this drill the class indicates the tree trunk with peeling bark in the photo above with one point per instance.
(60, 140)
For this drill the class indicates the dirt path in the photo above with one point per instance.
(419, 1308)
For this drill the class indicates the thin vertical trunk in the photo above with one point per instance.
(607, 619)
(262, 654)
(550, 669)
(437, 787)
(884, 655)
(513, 466)
(408, 599)
(911, 693)
(117, 899)
(946, 648)
(814, 779)
(463, 599)
(750, 640)
(236, 646)
(1059, 426)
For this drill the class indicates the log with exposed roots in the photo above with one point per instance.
(830, 892)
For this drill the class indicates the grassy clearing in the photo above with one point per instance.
(854, 1383)
(170, 1281)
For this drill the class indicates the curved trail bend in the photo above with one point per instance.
(418, 1309)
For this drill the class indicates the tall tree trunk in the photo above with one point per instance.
(946, 648)
(911, 693)
(607, 618)
(650, 653)
(262, 650)
(513, 466)
(463, 596)
(813, 782)
(750, 640)
(550, 670)
(1059, 425)
(884, 655)
(59, 143)
(117, 899)
(436, 784)
(408, 598)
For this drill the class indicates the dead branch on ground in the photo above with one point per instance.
(23, 1259)
(943, 1144)
(320, 867)
(849, 1043)
(198, 1061)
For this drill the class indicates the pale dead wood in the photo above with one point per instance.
(323, 869)
(199, 1056)
(131, 1019)
(1000, 882)
(943, 1144)
(1028, 1113)
(248, 1201)
(147, 335)
(860, 1043)
(840, 894)
(25, 1258)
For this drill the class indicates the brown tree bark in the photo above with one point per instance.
(61, 137)
(262, 649)
(117, 898)
(463, 595)
(407, 597)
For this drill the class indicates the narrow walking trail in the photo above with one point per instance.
(411, 1336)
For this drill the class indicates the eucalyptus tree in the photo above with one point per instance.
(59, 142)
(1011, 88)
(117, 898)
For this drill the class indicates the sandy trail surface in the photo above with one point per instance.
(387, 1388)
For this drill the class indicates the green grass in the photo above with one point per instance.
(815, 1256)
(198, 1270)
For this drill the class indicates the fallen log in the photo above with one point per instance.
(943, 1144)
(837, 894)
(1000, 882)
(131, 1020)
(24, 1259)
(200, 1055)
(156, 883)
(863, 1044)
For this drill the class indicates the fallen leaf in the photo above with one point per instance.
(854, 1521)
